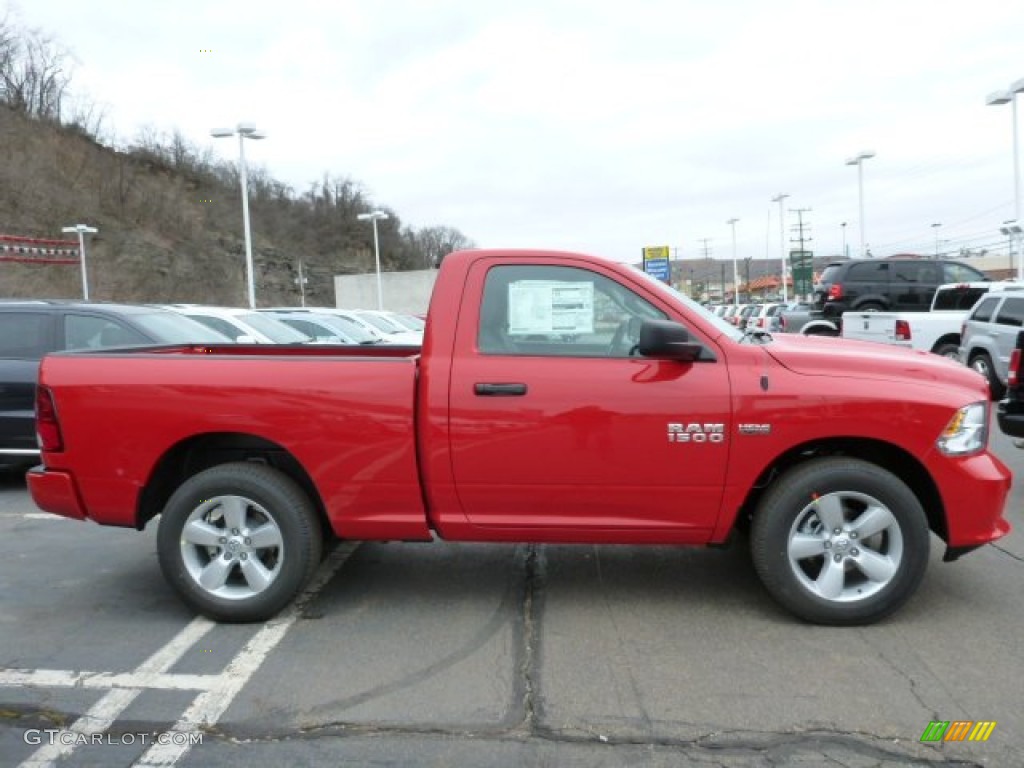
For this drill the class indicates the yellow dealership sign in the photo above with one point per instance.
(656, 262)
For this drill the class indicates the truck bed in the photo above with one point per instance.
(348, 422)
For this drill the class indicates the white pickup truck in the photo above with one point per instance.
(935, 331)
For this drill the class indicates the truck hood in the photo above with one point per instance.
(826, 356)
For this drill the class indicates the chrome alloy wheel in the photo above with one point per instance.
(231, 547)
(845, 546)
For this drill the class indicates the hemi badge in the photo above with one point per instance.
(755, 429)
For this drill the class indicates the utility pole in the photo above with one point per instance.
(799, 227)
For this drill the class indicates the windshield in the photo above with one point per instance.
(673, 295)
(381, 324)
(409, 322)
(273, 329)
(173, 328)
(352, 329)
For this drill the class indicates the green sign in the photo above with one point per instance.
(801, 267)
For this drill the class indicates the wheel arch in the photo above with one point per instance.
(949, 338)
(889, 457)
(199, 452)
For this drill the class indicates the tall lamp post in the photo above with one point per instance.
(846, 253)
(858, 160)
(82, 231)
(780, 198)
(376, 216)
(244, 131)
(735, 268)
(1009, 96)
(936, 226)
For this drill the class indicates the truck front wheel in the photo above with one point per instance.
(840, 541)
(238, 541)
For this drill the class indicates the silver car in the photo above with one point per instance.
(989, 336)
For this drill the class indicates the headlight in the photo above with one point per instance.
(967, 431)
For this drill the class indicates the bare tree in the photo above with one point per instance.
(437, 242)
(34, 71)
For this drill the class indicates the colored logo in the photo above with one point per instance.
(958, 730)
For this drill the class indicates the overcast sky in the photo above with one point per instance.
(589, 125)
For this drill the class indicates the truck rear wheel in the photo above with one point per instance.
(238, 541)
(840, 541)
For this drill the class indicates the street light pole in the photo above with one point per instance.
(995, 99)
(376, 216)
(846, 253)
(82, 229)
(858, 160)
(936, 226)
(780, 198)
(735, 269)
(244, 131)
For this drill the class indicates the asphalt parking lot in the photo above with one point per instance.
(487, 655)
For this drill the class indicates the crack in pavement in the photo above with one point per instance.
(1008, 553)
(529, 620)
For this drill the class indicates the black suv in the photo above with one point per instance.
(30, 329)
(896, 284)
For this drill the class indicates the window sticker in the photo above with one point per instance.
(550, 306)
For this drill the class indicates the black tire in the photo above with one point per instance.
(833, 586)
(982, 363)
(947, 349)
(257, 567)
(870, 306)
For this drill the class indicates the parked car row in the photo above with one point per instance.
(758, 316)
(31, 329)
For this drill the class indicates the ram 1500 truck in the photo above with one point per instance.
(557, 398)
(937, 331)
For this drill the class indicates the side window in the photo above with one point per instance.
(25, 335)
(219, 325)
(90, 332)
(559, 311)
(868, 272)
(957, 298)
(1011, 312)
(905, 271)
(983, 312)
(961, 273)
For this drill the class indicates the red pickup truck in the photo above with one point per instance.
(557, 398)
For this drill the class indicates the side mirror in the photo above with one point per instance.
(668, 339)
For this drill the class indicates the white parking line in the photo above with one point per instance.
(218, 691)
(66, 678)
(105, 711)
(208, 707)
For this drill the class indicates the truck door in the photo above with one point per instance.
(557, 425)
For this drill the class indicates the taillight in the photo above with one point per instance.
(1013, 375)
(902, 330)
(47, 427)
(835, 291)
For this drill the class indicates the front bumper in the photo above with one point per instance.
(974, 491)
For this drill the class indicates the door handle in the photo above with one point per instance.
(500, 390)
